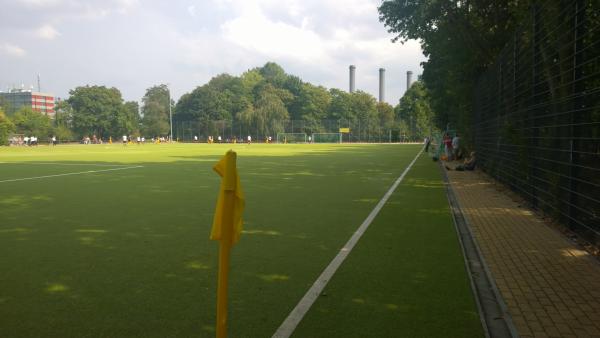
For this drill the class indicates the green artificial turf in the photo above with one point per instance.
(405, 277)
(125, 253)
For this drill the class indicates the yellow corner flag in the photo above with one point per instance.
(227, 223)
(227, 227)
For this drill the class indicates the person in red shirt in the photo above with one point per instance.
(448, 147)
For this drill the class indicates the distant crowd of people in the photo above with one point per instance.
(453, 152)
(23, 141)
(210, 139)
(130, 139)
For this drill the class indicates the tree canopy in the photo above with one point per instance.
(460, 39)
(263, 99)
(101, 111)
(6, 127)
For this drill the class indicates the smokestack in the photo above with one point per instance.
(381, 84)
(39, 85)
(408, 79)
(352, 71)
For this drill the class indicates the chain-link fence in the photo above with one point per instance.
(355, 131)
(537, 113)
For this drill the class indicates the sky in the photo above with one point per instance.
(136, 44)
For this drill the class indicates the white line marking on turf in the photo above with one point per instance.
(293, 319)
(67, 174)
(69, 164)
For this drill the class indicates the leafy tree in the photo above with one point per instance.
(268, 112)
(414, 110)
(6, 128)
(5, 105)
(127, 120)
(340, 106)
(30, 122)
(96, 110)
(64, 114)
(273, 73)
(460, 39)
(386, 114)
(250, 80)
(364, 107)
(315, 103)
(155, 111)
(63, 133)
(294, 85)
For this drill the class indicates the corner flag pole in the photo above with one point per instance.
(227, 227)
(224, 253)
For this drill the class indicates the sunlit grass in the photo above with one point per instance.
(126, 253)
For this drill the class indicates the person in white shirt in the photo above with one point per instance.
(124, 140)
(249, 139)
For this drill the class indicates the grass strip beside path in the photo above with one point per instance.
(405, 277)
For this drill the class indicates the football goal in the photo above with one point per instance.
(327, 137)
(291, 138)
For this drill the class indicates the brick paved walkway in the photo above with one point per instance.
(551, 288)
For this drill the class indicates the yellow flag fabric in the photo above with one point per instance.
(230, 181)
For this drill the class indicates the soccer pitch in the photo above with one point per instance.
(112, 241)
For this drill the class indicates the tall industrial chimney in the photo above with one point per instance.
(408, 79)
(381, 84)
(352, 71)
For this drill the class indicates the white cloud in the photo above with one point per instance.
(47, 32)
(40, 3)
(125, 6)
(254, 31)
(192, 11)
(12, 50)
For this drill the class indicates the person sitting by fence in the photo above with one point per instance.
(469, 164)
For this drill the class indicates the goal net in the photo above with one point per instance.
(327, 137)
(291, 138)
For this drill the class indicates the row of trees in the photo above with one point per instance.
(93, 110)
(261, 99)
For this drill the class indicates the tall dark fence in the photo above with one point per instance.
(537, 113)
(359, 130)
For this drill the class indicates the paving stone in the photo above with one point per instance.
(550, 286)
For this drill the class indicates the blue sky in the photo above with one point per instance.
(135, 44)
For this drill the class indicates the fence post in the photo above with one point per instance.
(578, 104)
(534, 137)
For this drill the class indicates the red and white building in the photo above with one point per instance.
(39, 102)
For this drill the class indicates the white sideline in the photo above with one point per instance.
(293, 319)
(68, 164)
(67, 174)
